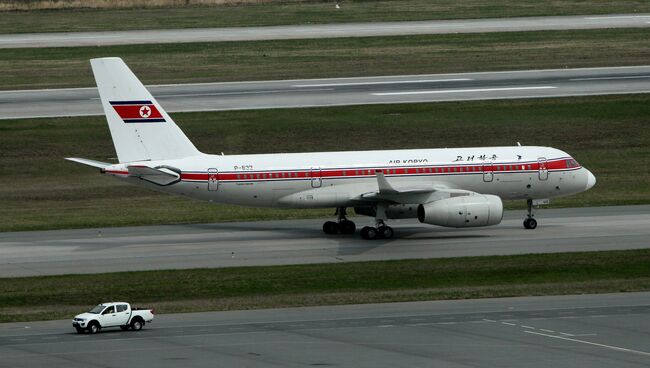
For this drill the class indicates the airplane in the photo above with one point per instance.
(452, 187)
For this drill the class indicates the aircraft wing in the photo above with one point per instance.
(409, 194)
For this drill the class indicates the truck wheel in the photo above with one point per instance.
(93, 328)
(136, 325)
(124, 328)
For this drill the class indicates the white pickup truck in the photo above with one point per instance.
(115, 314)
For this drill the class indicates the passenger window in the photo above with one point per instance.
(121, 308)
(109, 310)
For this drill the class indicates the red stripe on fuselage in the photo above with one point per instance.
(551, 165)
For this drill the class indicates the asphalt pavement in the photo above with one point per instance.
(303, 242)
(343, 91)
(607, 330)
(105, 38)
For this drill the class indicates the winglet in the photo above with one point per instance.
(85, 161)
(384, 186)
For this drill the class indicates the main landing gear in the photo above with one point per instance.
(381, 231)
(345, 226)
(341, 226)
(530, 223)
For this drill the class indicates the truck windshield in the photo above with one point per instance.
(97, 309)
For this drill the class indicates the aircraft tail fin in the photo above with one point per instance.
(140, 128)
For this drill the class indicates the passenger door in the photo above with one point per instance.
(543, 169)
(109, 317)
(123, 312)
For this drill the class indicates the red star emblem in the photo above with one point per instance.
(145, 111)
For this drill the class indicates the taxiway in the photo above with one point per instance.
(105, 38)
(607, 330)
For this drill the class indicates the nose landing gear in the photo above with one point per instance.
(530, 223)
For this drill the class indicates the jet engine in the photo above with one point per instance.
(464, 211)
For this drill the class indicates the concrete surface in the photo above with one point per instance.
(608, 330)
(343, 91)
(302, 241)
(71, 39)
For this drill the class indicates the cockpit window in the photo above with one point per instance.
(571, 163)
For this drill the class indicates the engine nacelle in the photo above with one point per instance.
(465, 211)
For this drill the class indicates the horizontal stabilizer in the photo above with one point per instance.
(93, 163)
(160, 175)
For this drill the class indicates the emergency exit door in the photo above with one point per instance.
(316, 177)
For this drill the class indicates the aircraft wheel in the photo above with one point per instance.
(347, 227)
(530, 223)
(330, 227)
(386, 232)
(369, 233)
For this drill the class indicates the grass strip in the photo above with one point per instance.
(258, 13)
(319, 58)
(170, 291)
(39, 190)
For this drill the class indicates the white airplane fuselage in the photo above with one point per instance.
(452, 187)
(336, 179)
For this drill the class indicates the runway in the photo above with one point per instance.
(607, 330)
(302, 242)
(324, 31)
(343, 91)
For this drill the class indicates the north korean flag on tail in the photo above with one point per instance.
(137, 111)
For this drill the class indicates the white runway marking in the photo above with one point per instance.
(383, 82)
(461, 90)
(592, 343)
(241, 93)
(619, 17)
(611, 78)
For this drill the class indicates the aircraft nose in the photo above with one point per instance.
(591, 180)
